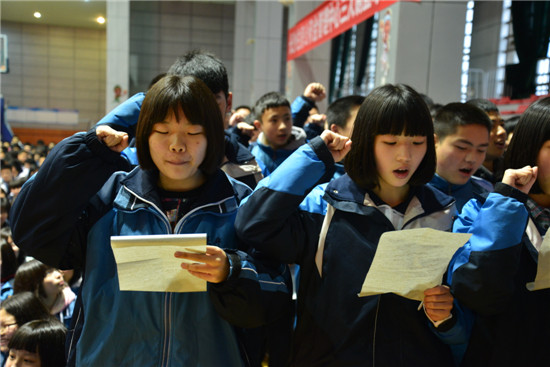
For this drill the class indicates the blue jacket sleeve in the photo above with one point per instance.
(125, 116)
(481, 273)
(269, 219)
(45, 214)
(300, 110)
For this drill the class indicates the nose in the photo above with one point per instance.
(404, 153)
(177, 144)
(501, 131)
(470, 157)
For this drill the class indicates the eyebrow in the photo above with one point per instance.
(464, 141)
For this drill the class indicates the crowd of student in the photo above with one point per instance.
(293, 202)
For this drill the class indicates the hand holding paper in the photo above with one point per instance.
(147, 263)
(438, 302)
(212, 266)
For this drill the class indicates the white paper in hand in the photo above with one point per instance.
(408, 262)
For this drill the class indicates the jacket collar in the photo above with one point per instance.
(142, 185)
(344, 194)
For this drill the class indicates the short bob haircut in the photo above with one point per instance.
(29, 277)
(199, 106)
(45, 337)
(25, 307)
(530, 134)
(389, 109)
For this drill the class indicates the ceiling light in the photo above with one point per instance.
(37, 14)
(100, 20)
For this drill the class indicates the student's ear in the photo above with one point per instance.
(229, 102)
(258, 125)
(436, 140)
(335, 128)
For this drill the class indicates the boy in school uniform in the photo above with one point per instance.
(461, 142)
(278, 138)
(492, 168)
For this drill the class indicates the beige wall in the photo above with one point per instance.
(55, 67)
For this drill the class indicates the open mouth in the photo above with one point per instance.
(401, 172)
(466, 171)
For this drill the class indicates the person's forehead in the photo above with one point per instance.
(279, 110)
(466, 132)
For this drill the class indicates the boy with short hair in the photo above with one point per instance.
(278, 138)
(341, 118)
(492, 168)
(461, 142)
(342, 112)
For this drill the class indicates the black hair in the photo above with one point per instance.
(206, 67)
(156, 79)
(510, 123)
(30, 277)
(530, 134)
(200, 108)
(9, 260)
(484, 104)
(45, 337)
(269, 100)
(389, 109)
(339, 111)
(456, 114)
(243, 106)
(25, 307)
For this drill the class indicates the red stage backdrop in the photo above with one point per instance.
(329, 20)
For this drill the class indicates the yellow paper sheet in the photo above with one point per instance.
(410, 261)
(147, 263)
(543, 269)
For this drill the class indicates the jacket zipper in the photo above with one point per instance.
(168, 296)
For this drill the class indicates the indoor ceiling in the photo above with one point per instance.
(74, 13)
(69, 13)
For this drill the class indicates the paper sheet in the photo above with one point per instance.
(147, 263)
(542, 279)
(410, 261)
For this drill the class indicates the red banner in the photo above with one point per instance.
(329, 20)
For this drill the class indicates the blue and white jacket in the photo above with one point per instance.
(512, 324)
(268, 158)
(332, 232)
(62, 219)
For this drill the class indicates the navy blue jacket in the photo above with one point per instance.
(335, 327)
(512, 324)
(65, 216)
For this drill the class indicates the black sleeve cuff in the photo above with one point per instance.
(322, 151)
(507, 190)
(447, 325)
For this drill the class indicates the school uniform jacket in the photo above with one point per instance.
(62, 219)
(332, 232)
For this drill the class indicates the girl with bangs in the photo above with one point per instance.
(332, 231)
(177, 188)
